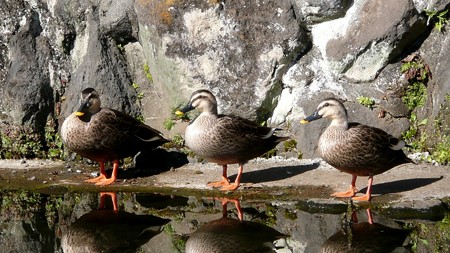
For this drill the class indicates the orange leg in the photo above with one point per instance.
(225, 201)
(102, 174)
(350, 193)
(113, 196)
(224, 180)
(369, 216)
(367, 196)
(113, 177)
(237, 182)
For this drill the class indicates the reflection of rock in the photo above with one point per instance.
(108, 230)
(365, 237)
(231, 235)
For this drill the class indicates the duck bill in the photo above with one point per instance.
(311, 117)
(82, 109)
(182, 111)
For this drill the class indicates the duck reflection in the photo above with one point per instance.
(108, 229)
(232, 235)
(365, 237)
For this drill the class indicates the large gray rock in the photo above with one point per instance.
(237, 49)
(257, 57)
(358, 49)
(316, 11)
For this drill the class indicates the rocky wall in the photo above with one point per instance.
(270, 61)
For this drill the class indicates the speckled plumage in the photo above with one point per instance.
(353, 148)
(232, 235)
(225, 139)
(104, 134)
(365, 237)
(109, 230)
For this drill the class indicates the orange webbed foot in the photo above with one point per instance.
(97, 179)
(346, 194)
(230, 187)
(105, 181)
(224, 182)
(365, 197)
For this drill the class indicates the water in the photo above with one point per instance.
(145, 222)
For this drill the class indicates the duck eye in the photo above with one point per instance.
(326, 104)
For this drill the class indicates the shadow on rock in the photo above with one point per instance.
(401, 185)
(154, 162)
(275, 173)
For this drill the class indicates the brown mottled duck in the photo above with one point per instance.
(110, 230)
(102, 134)
(225, 139)
(366, 237)
(354, 148)
(229, 235)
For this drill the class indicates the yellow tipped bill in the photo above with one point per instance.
(303, 121)
(79, 113)
(179, 113)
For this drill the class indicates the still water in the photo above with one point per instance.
(144, 222)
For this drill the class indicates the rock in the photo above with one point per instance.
(239, 50)
(269, 61)
(357, 48)
(313, 11)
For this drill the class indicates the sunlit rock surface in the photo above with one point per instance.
(270, 61)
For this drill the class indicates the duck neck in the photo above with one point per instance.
(340, 123)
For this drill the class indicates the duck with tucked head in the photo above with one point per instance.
(225, 139)
(102, 134)
(356, 149)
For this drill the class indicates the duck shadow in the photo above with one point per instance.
(274, 173)
(153, 162)
(401, 185)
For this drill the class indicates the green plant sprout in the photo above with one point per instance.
(147, 72)
(366, 101)
(440, 18)
(417, 73)
(168, 124)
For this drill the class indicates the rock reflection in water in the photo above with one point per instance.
(365, 237)
(110, 230)
(232, 235)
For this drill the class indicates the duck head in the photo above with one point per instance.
(90, 102)
(328, 108)
(203, 101)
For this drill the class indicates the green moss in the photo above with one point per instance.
(441, 153)
(366, 101)
(417, 73)
(55, 146)
(290, 214)
(20, 142)
(290, 145)
(178, 241)
(413, 136)
(147, 73)
(415, 95)
(270, 153)
(168, 124)
(430, 237)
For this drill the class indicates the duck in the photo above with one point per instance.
(225, 139)
(108, 229)
(103, 134)
(354, 148)
(228, 234)
(366, 237)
